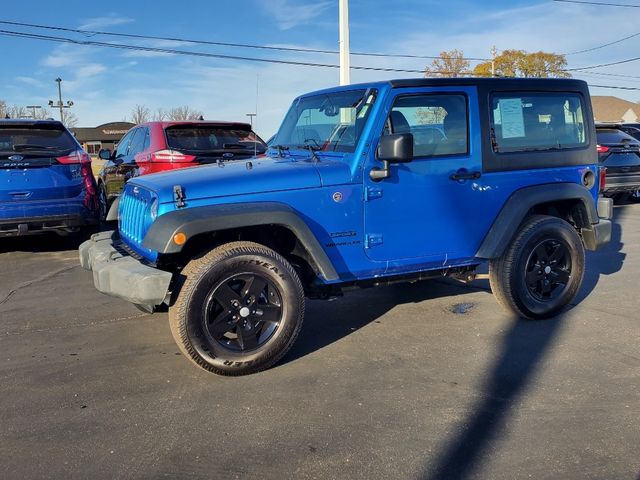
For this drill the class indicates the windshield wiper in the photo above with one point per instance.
(312, 148)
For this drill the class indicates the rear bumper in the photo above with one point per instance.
(11, 227)
(118, 274)
(619, 183)
(599, 234)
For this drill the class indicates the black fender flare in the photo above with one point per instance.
(520, 202)
(211, 218)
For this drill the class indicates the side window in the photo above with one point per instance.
(137, 142)
(123, 145)
(438, 122)
(537, 121)
(147, 139)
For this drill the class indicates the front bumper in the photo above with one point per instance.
(120, 275)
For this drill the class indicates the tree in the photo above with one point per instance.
(160, 115)
(450, 64)
(140, 114)
(3, 108)
(518, 63)
(183, 113)
(69, 118)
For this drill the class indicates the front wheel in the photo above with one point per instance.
(541, 270)
(103, 203)
(239, 309)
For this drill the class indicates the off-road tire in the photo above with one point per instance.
(199, 282)
(508, 273)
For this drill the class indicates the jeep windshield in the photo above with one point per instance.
(329, 122)
(203, 139)
(35, 141)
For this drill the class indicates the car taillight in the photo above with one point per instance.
(79, 156)
(82, 158)
(603, 178)
(602, 149)
(171, 156)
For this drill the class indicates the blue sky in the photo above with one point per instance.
(106, 84)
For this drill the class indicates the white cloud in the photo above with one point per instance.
(110, 20)
(30, 81)
(90, 70)
(289, 14)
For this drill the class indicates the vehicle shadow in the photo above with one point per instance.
(524, 346)
(47, 242)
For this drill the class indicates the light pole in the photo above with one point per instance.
(345, 77)
(33, 110)
(59, 103)
(251, 115)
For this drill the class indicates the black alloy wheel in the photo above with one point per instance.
(242, 312)
(548, 270)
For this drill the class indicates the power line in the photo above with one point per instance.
(171, 51)
(590, 67)
(222, 44)
(604, 45)
(599, 3)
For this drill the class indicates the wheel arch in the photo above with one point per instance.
(272, 224)
(569, 201)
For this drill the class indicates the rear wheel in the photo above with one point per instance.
(103, 203)
(541, 270)
(239, 309)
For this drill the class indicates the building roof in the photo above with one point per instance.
(107, 132)
(614, 109)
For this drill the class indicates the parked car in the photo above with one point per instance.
(632, 129)
(346, 197)
(158, 146)
(619, 153)
(46, 183)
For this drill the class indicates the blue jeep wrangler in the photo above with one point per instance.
(365, 185)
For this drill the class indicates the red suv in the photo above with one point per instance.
(158, 146)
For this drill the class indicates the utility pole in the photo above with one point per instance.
(59, 103)
(494, 54)
(345, 77)
(33, 110)
(251, 115)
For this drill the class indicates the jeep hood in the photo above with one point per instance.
(256, 175)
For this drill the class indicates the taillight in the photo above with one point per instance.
(603, 178)
(79, 156)
(171, 156)
(602, 149)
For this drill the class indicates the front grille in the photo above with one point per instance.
(134, 218)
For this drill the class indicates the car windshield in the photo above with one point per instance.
(203, 138)
(34, 140)
(327, 122)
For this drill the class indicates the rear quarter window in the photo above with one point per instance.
(537, 122)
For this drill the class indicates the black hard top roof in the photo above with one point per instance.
(21, 122)
(493, 83)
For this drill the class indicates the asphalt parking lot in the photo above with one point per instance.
(429, 381)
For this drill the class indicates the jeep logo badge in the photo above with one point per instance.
(136, 190)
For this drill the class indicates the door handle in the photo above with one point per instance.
(464, 174)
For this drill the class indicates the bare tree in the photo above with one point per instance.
(140, 114)
(183, 113)
(16, 111)
(69, 118)
(3, 108)
(450, 64)
(160, 115)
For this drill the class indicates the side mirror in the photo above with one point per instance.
(104, 154)
(396, 148)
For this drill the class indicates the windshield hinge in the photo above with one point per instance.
(178, 196)
(372, 192)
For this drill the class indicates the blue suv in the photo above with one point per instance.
(46, 183)
(365, 185)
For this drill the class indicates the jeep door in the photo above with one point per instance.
(429, 211)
